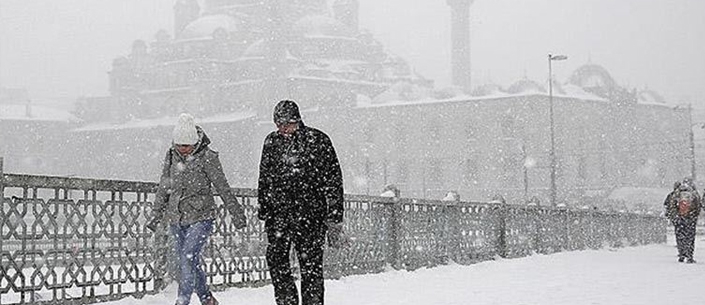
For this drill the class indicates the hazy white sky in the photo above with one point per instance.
(64, 48)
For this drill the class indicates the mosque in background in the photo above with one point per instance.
(240, 55)
(229, 61)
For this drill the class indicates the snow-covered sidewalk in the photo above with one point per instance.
(641, 275)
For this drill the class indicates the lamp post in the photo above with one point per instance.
(526, 173)
(691, 140)
(529, 162)
(553, 137)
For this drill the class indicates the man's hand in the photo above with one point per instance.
(239, 221)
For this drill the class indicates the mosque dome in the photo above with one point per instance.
(525, 86)
(318, 25)
(211, 4)
(206, 26)
(487, 90)
(592, 76)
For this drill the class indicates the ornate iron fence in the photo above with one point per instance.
(76, 241)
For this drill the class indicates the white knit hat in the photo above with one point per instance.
(185, 131)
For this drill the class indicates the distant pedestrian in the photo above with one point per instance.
(184, 201)
(301, 200)
(683, 208)
(671, 212)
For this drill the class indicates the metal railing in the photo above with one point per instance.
(77, 241)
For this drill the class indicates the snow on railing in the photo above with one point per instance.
(72, 240)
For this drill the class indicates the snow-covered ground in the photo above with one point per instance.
(647, 275)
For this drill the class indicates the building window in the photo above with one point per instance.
(433, 180)
(507, 126)
(369, 134)
(582, 168)
(471, 172)
(401, 136)
(511, 166)
(434, 132)
(603, 160)
(435, 173)
(471, 131)
(402, 174)
(369, 175)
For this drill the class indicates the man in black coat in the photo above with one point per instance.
(301, 199)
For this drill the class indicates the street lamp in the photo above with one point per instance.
(553, 140)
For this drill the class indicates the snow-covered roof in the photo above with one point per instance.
(402, 91)
(335, 65)
(256, 49)
(640, 196)
(650, 97)
(461, 98)
(525, 86)
(15, 112)
(488, 89)
(206, 25)
(379, 102)
(330, 37)
(574, 91)
(167, 121)
(335, 80)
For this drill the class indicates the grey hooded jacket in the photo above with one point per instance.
(185, 196)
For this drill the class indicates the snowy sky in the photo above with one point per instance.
(64, 48)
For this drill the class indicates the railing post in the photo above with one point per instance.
(501, 231)
(662, 229)
(566, 229)
(453, 236)
(536, 215)
(394, 212)
(2, 208)
(161, 260)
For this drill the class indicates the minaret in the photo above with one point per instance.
(346, 11)
(460, 42)
(185, 11)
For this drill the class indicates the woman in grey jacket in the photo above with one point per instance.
(184, 202)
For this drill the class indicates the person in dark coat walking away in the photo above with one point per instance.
(683, 209)
(669, 212)
(301, 202)
(184, 201)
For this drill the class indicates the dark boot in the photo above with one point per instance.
(211, 301)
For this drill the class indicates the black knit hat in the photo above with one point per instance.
(286, 111)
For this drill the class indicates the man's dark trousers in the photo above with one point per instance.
(309, 244)
(685, 236)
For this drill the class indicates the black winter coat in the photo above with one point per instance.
(300, 181)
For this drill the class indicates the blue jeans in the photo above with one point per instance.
(189, 241)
